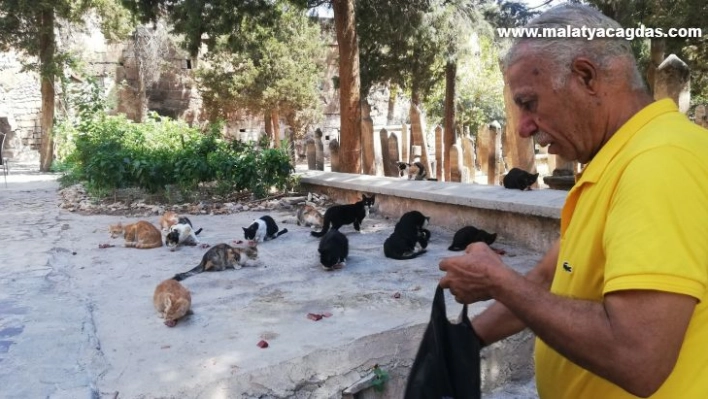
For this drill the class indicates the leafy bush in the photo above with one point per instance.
(111, 152)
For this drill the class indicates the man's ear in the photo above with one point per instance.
(586, 72)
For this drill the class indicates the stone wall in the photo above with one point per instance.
(166, 73)
(20, 103)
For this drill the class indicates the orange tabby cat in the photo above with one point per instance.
(168, 219)
(141, 234)
(172, 300)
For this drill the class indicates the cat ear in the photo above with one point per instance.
(244, 229)
(535, 176)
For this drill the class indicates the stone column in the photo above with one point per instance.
(387, 165)
(368, 166)
(334, 155)
(520, 152)
(467, 145)
(418, 136)
(562, 173)
(319, 150)
(456, 164)
(394, 154)
(489, 141)
(405, 143)
(672, 80)
(311, 154)
(379, 144)
(439, 153)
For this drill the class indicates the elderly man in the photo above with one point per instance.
(618, 304)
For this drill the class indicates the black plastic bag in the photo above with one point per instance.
(447, 362)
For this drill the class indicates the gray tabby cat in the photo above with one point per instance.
(221, 257)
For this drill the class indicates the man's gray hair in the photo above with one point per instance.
(561, 52)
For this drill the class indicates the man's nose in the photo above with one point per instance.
(527, 126)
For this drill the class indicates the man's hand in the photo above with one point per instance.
(469, 276)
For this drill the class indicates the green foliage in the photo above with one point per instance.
(270, 68)
(112, 152)
(480, 88)
(380, 378)
(215, 18)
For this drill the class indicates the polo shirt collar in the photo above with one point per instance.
(592, 172)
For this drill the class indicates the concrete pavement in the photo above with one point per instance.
(77, 321)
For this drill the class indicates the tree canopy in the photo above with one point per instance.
(271, 68)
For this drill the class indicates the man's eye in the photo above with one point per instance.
(527, 105)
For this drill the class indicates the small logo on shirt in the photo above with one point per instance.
(567, 267)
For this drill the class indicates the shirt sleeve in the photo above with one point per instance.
(656, 236)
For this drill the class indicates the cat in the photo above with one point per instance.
(409, 232)
(141, 234)
(263, 228)
(170, 218)
(414, 170)
(333, 249)
(519, 179)
(172, 300)
(339, 215)
(469, 234)
(309, 216)
(221, 257)
(181, 234)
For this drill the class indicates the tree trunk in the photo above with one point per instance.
(449, 123)
(46, 59)
(276, 128)
(349, 86)
(268, 119)
(658, 48)
(142, 93)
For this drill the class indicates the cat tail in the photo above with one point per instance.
(281, 232)
(324, 231)
(196, 270)
(196, 233)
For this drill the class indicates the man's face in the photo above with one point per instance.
(558, 117)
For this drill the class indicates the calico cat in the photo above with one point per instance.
(221, 257)
(181, 234)
(469, 234)
(414, 170)
(409, 232)
(339, 215)
(333, 249)
(172, 300)
(263, 228)
(309, 216)
(141, 234)
(519, 179)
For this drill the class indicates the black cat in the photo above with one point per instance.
(339, 215)
(333, 249)
(519, 179)
(469, 234)
(263, 227)
(409, 232)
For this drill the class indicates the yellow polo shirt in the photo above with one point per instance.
(637, 218)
